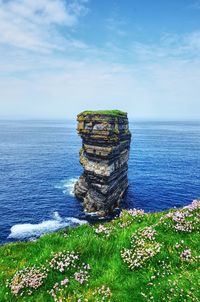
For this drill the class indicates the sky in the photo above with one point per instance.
(60, 57)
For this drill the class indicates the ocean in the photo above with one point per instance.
(39, 164)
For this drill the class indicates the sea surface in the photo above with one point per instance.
(39, 164)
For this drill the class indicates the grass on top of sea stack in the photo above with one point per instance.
(103, 112)
(136, 257)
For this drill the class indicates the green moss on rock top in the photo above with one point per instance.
(103, 112)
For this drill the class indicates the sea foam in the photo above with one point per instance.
(67, 185)
(32, 231)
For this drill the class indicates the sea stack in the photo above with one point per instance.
(104, 157)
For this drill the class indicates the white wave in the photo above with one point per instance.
(67, 185)
(31, 231)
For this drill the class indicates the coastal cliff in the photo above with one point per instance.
(104, 157)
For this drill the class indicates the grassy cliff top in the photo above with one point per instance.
(136, 257)
(103, 112)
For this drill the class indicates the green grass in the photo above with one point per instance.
(104, 112)
(175, 280)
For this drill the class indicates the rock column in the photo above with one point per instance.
(104, 157)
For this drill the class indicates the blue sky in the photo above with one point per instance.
(60, 57)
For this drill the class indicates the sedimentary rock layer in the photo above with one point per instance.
(104, 157)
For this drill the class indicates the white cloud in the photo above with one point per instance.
(32, 24)
(181, 47)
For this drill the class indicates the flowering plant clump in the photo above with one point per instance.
(181, 224)
(27, 279)
(103, 230)
(144, 247)
(57, 292)
(125, 219)
(148, 233)
(164, 220)
(185, 220)
(63, 261)
(193, 206)
(186, 252)
(136, 258)
(136, 212)
(186, 255)
(104, 293)
(82, 275)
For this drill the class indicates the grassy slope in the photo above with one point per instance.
(107, 266)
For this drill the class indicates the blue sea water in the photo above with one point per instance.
(39, 163)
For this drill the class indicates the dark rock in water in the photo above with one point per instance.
(104, 157)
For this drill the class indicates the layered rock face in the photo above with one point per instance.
(104, 157)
